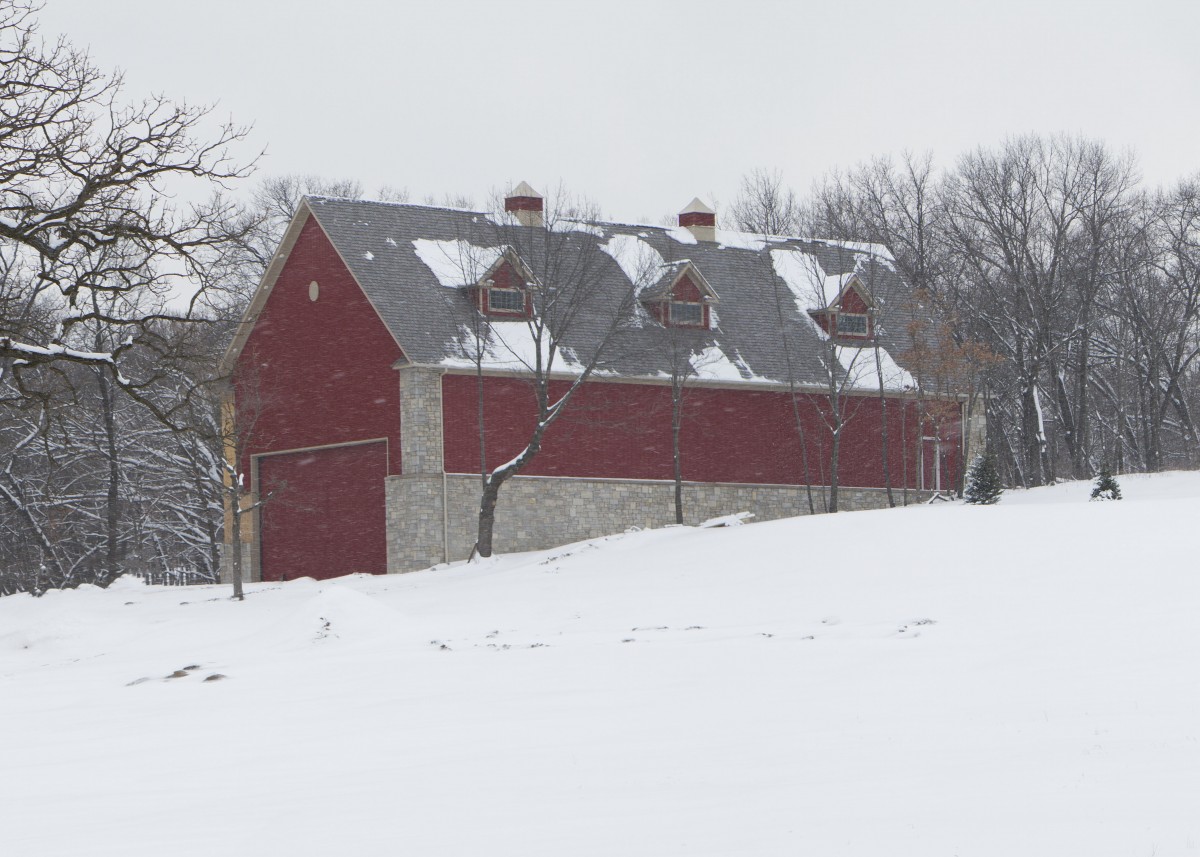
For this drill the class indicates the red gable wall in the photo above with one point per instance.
(852, 302)
(624, 431)
(685, 290)
(322, 369)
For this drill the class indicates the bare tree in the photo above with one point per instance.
(895, 204)
(846, 338)
(765, 206)
(684, 358)
(96, 257)
(85, 205)
(570, 328)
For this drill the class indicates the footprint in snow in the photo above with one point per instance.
(909, 629)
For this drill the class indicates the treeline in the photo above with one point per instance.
(1078, 287)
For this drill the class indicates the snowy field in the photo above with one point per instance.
(1022, 679)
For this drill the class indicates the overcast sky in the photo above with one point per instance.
(642, 105)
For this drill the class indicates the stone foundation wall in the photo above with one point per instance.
(535, 512)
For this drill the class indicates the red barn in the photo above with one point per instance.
(390, 347)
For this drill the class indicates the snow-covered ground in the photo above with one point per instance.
(1022, 679)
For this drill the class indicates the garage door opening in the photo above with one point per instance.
(326, 516)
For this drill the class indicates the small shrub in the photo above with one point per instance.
(983, 481)
(1107, 487)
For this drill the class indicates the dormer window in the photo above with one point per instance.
(852, 324)
(686, 314)
(506, 300)
(681, 297)
(503, 292)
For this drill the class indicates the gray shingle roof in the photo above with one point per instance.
(759, 310)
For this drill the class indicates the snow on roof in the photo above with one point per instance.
(806, 279)
(575, 226)
(681, 234)
(641, 263)
(457, 263)
(879, 251)
(746, 240)
(863, 374)
(713, 364)
(509, 345)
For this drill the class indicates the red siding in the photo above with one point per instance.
(685, 290)
(326, 514)
(624, 431)
(523, 203)
(852, 302)
(319, 372)
(698, 218)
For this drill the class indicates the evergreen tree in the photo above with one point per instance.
(1106, 487)
(983, 481)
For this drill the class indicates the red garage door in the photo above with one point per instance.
(326, 515)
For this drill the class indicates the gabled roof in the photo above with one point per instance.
(508, 257)
(834, 289)
(767, 285)
(672, 273)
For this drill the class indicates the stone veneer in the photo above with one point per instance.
(538, 512)
(420, 420)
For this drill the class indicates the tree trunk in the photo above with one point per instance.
(835, 406)
(1032, 434)
(487, 516)
(883, 429)
(835, 451)
(479, 412)
(676, 421)
(112, 499)
(812, 509)
(904, 453)
(491, 486)
(235, 542)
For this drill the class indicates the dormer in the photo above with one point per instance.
(682, 297)
(503, 292)
(850, 310)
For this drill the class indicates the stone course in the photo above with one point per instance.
(536, 512)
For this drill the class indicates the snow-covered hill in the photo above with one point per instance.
(1021, 679)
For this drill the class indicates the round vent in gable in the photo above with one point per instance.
(314, 290)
